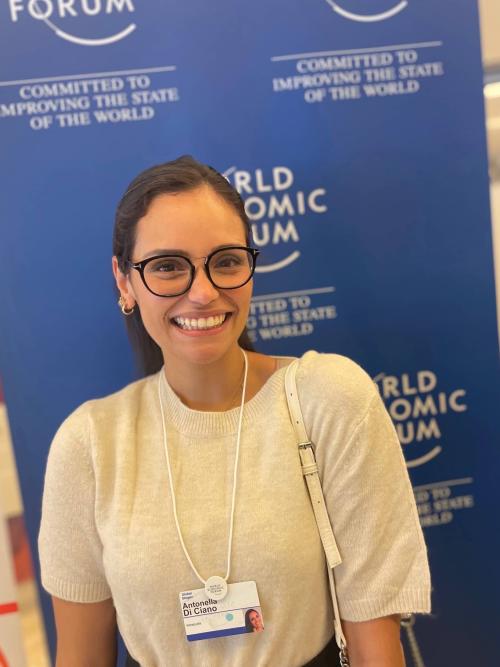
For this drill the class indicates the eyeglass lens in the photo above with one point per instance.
(228, 268)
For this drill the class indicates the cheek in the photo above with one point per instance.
(244, 299)
(153, 311)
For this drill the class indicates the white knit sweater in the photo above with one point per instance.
(108, 528)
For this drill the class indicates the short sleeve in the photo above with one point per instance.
(369, 497)
(69, 545)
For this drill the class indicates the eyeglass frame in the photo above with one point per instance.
(140, 266)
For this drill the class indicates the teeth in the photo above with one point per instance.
(191, 324)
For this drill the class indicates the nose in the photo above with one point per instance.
(202, 291)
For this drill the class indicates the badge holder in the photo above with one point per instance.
(238, 612)
(219, 609)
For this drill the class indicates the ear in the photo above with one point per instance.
(124, 285)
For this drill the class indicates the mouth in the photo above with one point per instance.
(200, 323)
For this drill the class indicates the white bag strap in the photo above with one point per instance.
(310, 472)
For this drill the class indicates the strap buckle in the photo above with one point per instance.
(306, 445)
(308, 461)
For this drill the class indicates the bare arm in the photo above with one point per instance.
(374, 643)
(86, 633)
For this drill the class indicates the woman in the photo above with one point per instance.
(253, 621)
(146, 494)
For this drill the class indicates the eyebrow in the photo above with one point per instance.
(184, 253)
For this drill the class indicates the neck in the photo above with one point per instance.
(211, 387)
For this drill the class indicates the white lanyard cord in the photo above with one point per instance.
(235, 474)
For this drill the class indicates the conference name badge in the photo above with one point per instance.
(237, 613)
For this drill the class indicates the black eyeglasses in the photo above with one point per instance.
(172, 275)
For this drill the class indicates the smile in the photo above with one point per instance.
(200, 323)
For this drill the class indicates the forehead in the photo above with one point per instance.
(195, 221)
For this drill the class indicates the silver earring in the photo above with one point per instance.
(123, 306)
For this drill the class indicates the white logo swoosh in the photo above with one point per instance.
(278, 265)
(367, 18)
(425, 458)
(84, 41)
(95, 42)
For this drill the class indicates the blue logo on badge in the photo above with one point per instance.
(229, 617)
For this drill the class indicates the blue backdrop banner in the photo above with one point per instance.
(355, 132)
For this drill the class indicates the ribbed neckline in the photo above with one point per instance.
(199, 422)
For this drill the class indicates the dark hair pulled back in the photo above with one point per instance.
(180, 175)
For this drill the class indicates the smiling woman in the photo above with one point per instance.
(200, 225)
(158, 497)
(178, 201)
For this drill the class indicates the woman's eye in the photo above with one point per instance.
(228, 261)
(167, 266)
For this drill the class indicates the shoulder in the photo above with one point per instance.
(103, 415)
(131, 394)
(336, 381)
(335, 395)
(121, 402)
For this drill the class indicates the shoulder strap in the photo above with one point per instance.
(310, 472)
